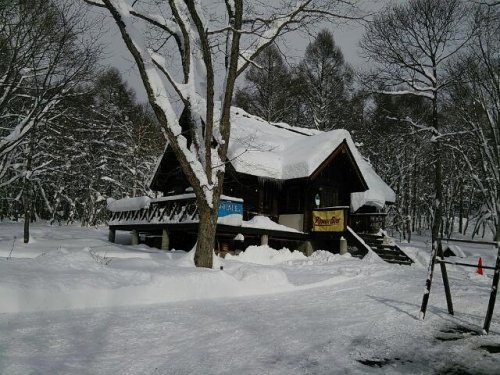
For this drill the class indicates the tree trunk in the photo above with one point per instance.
(469, 207)
(27, 204)
(206, 235)
(438, 181)
(497, 234)
(415, 195)
(27, 194)
(27, 218)
(461, 208)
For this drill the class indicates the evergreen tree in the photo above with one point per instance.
(267, 91)
(326, 82)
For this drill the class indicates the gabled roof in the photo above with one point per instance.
(273, 151)
(282, 152)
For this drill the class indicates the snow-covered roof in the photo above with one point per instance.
(282, 152)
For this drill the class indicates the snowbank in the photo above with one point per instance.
(266, 255)
(263, 222)
(341, 315)
(323, 256)
(76, 279)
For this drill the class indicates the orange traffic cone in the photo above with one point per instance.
(480, 266)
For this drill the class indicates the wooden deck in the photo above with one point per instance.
(175, 220)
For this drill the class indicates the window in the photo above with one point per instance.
(329, 196)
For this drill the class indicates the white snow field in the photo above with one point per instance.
(72, 303)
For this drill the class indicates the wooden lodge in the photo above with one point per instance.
(285, 186)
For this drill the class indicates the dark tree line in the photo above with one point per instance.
(426, 115)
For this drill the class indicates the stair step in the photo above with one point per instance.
(395, 260)
(390, 247)
(373, 241)
(366, 235)
(390, 253)
(393, 255)
(402, 262)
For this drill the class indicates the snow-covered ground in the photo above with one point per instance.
(72, 303)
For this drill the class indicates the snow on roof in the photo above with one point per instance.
(128, 204)
(263, 222)
(280, 151)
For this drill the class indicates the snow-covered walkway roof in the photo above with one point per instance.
(279, 151)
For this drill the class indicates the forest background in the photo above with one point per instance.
(73, 133)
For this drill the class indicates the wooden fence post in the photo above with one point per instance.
(444, 274)
(112, 235)
(428, 282)
(493, 294)
(135, 237)
(264, 239)
(165, 239)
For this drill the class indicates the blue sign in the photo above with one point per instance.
(227, 208)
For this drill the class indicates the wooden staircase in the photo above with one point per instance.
(388, 251)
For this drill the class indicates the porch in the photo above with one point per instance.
(172, 222)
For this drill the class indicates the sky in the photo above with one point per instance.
(347, 35)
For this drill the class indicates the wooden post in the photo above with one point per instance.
(307, 248)
(446, 283)
(264, 239)
(343, 246)
(165, 239)
(112, 235)
(135, 237)
(428, 282)
(494, 289)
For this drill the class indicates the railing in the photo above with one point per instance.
(175, 209)
(165, 210)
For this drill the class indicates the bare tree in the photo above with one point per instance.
(40, 62)
(223, 39)
(411, 44)
(44, 54)
(475, 102)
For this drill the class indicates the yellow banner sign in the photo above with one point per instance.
(328, 221)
